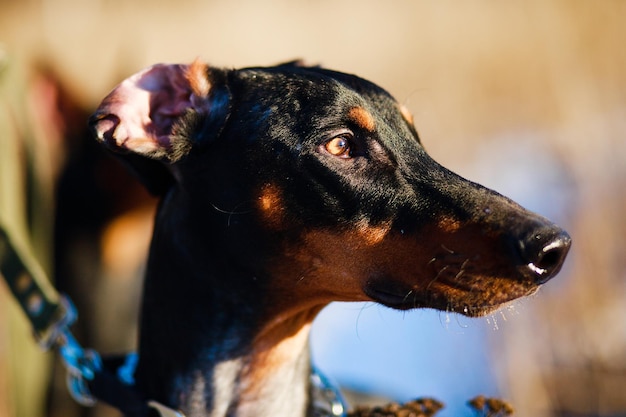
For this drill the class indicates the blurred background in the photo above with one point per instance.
(528, 98)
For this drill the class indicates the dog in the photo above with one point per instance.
(283, 189)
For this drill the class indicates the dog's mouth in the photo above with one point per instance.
(481, 297)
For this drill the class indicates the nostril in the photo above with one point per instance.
(551, 255)
(545, 255)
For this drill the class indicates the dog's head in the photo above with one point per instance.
(317, 182)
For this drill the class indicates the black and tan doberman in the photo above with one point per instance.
(284, 189)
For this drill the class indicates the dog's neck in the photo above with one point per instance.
(272, 379)
(209, 348)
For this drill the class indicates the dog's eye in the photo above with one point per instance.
(339, 146)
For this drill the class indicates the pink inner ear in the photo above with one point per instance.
(138, 114)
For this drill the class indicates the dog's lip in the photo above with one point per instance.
(390, 297)
(473, 311)
(404, 297)
(495, 303)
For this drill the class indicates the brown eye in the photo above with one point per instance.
(339, 146)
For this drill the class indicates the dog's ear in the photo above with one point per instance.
(156, 116)
(298, 63)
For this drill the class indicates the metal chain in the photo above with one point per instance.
(327, 400)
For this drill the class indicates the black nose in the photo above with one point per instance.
(543, 252)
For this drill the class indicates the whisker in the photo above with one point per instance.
(305, 272)
(458, 322)
(358, 317)
(446, 321)
(448, 250)
(437, 276)
(503, 315)
(231, 212)
(495, 322)
(463, 265)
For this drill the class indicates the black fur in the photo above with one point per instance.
(222, 268)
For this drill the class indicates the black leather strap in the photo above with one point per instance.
(30, 286)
